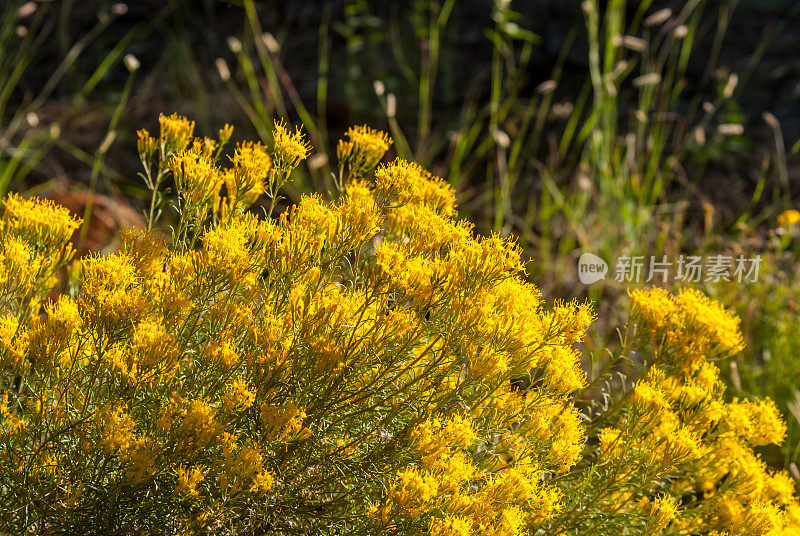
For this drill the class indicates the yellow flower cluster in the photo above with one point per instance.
(39, 222)
(206, 189)
(363, 150)
(13, 342)
(403, 182)
(196, 177)
(674, 437)
(188, 479)
(290, 148)
(251, 169)
(688, 325)
(175, 131)
(34, 248)
(115, 428)
(662, 512)
(788, 218)
(363, 364)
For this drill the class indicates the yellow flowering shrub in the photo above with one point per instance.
(363, 364)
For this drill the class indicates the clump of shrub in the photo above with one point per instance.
(362, 364)
(770, 320)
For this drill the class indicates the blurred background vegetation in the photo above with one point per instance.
(617, 128)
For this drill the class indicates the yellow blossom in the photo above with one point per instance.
(247, 179)
(197, 179)
(112, 295)
(40, 222)
(289, 148)
(403, 182)
(648, 398)
(283, 422)
(788, 217)
(146, 145)
(450, 526)
(188, 480)
(662, 512)
(199, 427)
(152, 348)
(115, 428)
(238, 395)
(363, 150)
(13, 341)
(413, 491)
(175, 132)
(141, 458)
(689, 323)
(768, 425)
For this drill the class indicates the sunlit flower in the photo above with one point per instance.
(175, 132)
(788, 218)
(363, 150)
(40, 222)
(662, 512)
(289, 148)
